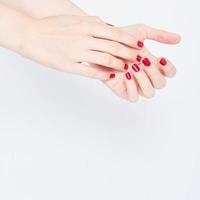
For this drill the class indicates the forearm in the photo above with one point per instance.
(12, 25)
(44, 8)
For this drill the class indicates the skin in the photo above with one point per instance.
(147, 79)
(144, 82)
(64, 42)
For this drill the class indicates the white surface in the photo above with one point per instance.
(62, 137)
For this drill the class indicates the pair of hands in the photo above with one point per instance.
(66, 42)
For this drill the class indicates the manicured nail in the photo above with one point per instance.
(139, 58)
(112, 75)
(146, 62)
(163, 61)
(140, 44)
(136, 68)
(126, 66)
(128, 76)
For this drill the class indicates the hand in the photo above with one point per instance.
(148, 78)
(64, 42)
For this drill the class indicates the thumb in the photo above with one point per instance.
(161, 35)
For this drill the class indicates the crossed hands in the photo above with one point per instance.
(89, 47)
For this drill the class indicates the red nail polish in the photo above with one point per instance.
(112, 75)
(126, 66)
(140, 44)
(136, 68)
(128, 76)
(163, 61)
(146, 62)
(139, 58)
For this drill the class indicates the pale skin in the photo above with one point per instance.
(67, 41)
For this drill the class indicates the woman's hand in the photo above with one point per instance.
(145, 77)
(38, 42)
(65, 42)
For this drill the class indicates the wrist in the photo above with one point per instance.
(12, 27)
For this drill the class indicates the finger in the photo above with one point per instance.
(119, 89)
(117, 85)
(149, 66)
(103, 59)
(161, 35)
(132, 91)
(112, 47)
(143, 81)
(90, 72)
(97, 19)
(113, 33)
(166, 67)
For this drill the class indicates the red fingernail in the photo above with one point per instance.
(140, 44)
(126, 66)
(136, 68)
(163, 61)
(112, 75)
(128, 76)
(146, 62)
(139, 58)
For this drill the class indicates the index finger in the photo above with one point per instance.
(115, 34)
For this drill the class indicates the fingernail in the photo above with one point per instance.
(112, 75)
(140, 44)
(146, 62)
(126, 66)
(136, 68)
(128, 76)
(139, 58)
(163, 61)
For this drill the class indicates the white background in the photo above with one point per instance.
(64, 137)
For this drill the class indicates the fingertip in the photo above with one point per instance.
(134, 99)
(179, 38)
(176, 38)
(150, 94)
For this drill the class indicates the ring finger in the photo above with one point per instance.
(143, 81)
